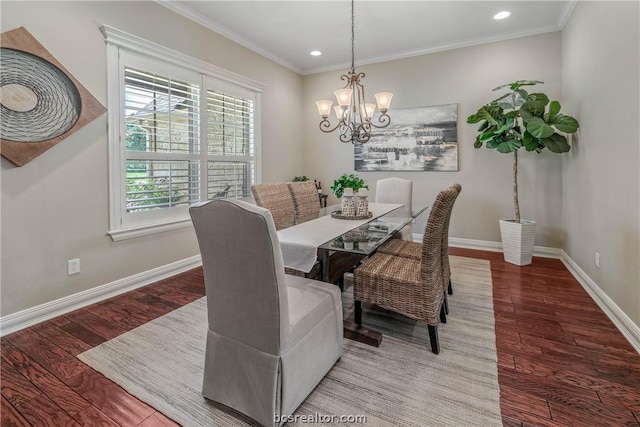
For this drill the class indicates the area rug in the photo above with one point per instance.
(399, 383)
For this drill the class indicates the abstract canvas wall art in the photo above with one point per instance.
(418, 139)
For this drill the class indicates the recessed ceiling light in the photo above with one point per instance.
(502, 15)
(315, 53)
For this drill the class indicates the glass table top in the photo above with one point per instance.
(366, 238)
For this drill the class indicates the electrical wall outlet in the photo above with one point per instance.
(73, 266)
(597, 259)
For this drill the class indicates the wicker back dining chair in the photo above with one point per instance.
(409, 286)
(277, 198)
(306, 201)
(446, 267)
(414, 249)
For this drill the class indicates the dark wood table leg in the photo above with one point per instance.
(324, 257)
(362, 334)
(351, 330)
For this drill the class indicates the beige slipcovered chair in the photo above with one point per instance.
(414, 249)
(272, 336)
(306, 201)
(397, 190)
(412, 287)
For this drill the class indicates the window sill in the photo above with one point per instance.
(131, 233)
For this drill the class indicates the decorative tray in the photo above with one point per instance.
(338, 214)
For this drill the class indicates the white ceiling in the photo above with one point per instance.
(286, 31)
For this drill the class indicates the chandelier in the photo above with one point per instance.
(354, 114)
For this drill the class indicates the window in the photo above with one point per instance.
(181, 131)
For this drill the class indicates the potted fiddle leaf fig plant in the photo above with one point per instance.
(514, 120)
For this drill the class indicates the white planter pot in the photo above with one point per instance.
(518, 240)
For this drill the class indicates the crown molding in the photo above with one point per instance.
(189, 13)
(566, 13)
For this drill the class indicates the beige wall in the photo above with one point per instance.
(55, 208)
(601, 197)
(466, 77)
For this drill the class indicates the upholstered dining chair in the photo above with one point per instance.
(409, 286)
(414, 250)
(397, 190)
(306, 201)
(272, 336)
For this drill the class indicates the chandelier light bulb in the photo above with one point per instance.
(343, 96)
(367, 110)
(384, 100)
(324, 107)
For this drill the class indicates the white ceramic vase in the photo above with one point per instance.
(362, 207)
(518, 240)
(348, 205)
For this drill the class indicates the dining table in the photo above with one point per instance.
(357, 238)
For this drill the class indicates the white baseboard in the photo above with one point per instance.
(34, 315)
(625, 325)
(485, 245)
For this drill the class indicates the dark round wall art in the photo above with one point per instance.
(38, 101)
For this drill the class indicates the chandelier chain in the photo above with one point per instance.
(353, 36)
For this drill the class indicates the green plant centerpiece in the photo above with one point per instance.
(347, 181)
(520, 119)
(300, 178)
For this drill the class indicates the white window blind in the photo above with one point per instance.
(181, 131)
(161, 132)
(230, 144)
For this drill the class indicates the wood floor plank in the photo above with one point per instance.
(524, 401)
(21, 362)
(83, 334)
(528, 419)
(95, 324)
(576, 374)
(15, 387)
(64, 340)
(42, 411)
(546, 388)
(92, 417)
(623, 350)
(62, 395)
(46, 354)
(123, 316)
(110, 398)
(593, 414)
(9, 416)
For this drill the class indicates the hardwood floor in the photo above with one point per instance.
(560, 359)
